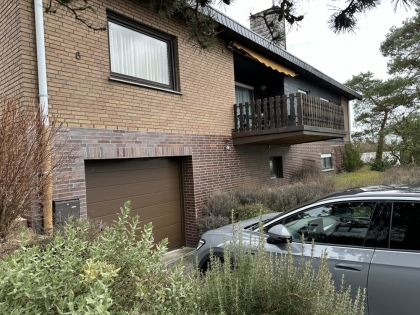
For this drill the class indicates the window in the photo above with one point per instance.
(405, 226)
(140, 54)
(276, 167)
(302, 91)
(244, 93)
(343, 223)
(326, 161)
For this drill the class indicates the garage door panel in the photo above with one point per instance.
(169, 233)
(96, 180)
(106, 166)
(131, 190)
(146, 214)
(152, 185)
(97, 209)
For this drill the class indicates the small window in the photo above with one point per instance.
(326, 161)
(276, 167)
(140, 54)
(405, 226)
(345, 223)
(302, 91)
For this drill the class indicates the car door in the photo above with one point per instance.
(394, 276)
(346, 230)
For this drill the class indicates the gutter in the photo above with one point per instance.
(43, 103)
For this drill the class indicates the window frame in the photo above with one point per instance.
(277, 170)
(283, 219)
(147, 30)
(387, 226)
(323, 156)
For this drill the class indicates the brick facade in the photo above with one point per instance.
(112, 120)
(206, 164)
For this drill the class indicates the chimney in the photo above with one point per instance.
(259, 23)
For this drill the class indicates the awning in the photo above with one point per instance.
(265, 61)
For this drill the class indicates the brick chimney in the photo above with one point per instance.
(259, 26)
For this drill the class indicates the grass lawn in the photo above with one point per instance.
(362, 177)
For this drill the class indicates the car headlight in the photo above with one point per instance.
(201, 242)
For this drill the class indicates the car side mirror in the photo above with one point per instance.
(279, 234)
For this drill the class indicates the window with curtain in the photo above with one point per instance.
(140, 54)
(244, 93)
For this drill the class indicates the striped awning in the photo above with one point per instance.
(264, 60)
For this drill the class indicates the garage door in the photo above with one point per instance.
(152, 186)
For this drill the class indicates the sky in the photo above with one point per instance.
(338, 56)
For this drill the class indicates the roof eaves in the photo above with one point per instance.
(258, 39)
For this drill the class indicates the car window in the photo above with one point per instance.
(405, 226)
(343, 223)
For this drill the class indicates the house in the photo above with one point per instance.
(167, 129)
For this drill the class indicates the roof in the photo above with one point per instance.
(258, 42)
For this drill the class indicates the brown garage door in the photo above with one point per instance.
(152, 186)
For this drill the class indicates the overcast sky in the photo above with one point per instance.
(339, 56)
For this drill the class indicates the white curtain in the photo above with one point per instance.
(243, 94)
(138, 55)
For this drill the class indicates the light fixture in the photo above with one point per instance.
(227, 145)
(263, 87)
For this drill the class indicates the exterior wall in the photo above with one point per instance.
(292, 84)
(206, 164)
(10, 44)
(81, 93)
(345, 103)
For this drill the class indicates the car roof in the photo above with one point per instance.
(377, 192)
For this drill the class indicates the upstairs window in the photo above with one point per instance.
(140, 54)
(326, 161)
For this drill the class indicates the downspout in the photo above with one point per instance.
(43, 103)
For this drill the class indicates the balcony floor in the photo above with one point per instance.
(286, 135)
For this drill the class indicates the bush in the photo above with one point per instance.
(250, 211)
(218, 210)
(408, 174)
(259, 284)
(352, 157)
(308, 173)
(382, 165)
(83, 270)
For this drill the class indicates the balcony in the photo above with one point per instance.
(287, 120)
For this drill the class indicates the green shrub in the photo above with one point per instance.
(82, 270)
(250, 211)
(259, 284)
(352, 157)
(382, 165)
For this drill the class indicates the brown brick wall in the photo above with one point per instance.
(10, 52)
(206, 164)
(81, 93)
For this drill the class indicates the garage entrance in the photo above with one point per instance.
(152, 185)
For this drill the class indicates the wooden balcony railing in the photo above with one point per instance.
(284, 111)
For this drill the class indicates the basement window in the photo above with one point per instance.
(276, 167)
(326, 162)
(140, 54)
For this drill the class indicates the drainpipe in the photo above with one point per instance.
(43, 103)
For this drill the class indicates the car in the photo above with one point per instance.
(371, 235)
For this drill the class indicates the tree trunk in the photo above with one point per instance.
(381, 139)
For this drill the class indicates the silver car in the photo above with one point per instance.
(371, 234)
